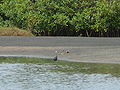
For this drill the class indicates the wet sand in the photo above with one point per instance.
(96, 50)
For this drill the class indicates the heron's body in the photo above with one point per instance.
(55, 58)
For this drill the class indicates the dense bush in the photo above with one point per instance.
(63, 17)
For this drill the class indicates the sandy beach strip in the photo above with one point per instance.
(97, 50)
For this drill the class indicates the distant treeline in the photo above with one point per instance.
(94, 18)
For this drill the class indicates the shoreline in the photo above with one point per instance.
(96, 50)
(44, 57)
(77, 54)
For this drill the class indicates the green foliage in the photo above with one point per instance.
(63, 17)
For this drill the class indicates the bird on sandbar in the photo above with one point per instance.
(56, 57)
(63, 52)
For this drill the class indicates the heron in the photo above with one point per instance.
(56, 56)
(57, 53)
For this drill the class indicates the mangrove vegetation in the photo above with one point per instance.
(89, 18)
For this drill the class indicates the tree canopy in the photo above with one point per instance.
(63, 17)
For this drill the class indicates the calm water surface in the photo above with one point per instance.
(48, 76)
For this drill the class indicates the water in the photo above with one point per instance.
(54, 76)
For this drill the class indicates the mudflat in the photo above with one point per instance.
(81, 49)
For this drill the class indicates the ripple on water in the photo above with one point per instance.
(41, 77)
